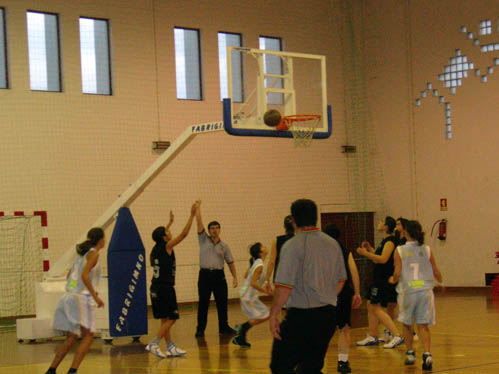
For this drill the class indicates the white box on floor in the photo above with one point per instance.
(35, 328)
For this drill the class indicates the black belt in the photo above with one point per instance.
(211, 269)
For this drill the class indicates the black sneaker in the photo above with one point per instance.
(427, 361)
(344, 367)
(241, 340)
(410, 358)
(228, 331)
(238, 329)
(199, 334)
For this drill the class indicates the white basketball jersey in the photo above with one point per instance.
(417, 271)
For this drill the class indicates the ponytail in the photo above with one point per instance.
(94, 235)
(288, 225)
(255, 251)
(420, 238)
(390, 223)
(415, 231)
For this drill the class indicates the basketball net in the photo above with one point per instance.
(302, 126)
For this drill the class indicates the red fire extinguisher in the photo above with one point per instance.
(442, 229)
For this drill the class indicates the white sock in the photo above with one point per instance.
(343, 357)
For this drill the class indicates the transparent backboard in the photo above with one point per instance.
(260, 80)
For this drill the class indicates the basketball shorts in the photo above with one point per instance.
(164, 302)
(417, 307)
(75, 311)
(382, 294)
(344, 310)
(254, 308)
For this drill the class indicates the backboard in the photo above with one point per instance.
(259, 80)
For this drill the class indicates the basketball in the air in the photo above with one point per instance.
(272, 117)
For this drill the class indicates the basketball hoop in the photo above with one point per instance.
(302, 126)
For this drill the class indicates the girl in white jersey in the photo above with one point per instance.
(252, 307)
(414, 271)
(75, 313)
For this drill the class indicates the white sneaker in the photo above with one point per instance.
(155, 350)
(174, 351)
(369, 340)
(397, 340)
(386, 337)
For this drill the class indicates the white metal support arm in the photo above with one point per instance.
(131, 193)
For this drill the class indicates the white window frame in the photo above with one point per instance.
(237, 68)
(184, 63)
(274, 64)
(44, 67)
(95, 54)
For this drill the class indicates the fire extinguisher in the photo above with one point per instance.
(442, 228)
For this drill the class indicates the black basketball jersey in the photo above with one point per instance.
(382, 272)
(399, 240)
(348, 287)
(163, 265)
(280, 240)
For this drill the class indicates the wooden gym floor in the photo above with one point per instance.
(465, 340)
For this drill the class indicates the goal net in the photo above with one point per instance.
(366, 179)
(21, 264)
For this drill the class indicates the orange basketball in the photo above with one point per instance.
(272, 117)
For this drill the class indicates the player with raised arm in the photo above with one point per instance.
(163, 296)
(213, 252)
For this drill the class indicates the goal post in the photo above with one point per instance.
(21, 263)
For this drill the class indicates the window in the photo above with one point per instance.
(43, 48)
(272, 65)
(456, 71)
(4, 82)
(95, 62)
(233, 40)
(485, 27)
(187, 64)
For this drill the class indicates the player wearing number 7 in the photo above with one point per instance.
(414, 270)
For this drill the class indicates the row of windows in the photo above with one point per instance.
(45, 66)
(44, 53)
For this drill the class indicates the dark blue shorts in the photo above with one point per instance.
(382, 294)
(164, 302)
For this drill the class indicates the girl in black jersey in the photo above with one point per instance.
(348, 299)
(399, 233)
(276, 251)
(163, 297)
(400, 227)
(381, 292)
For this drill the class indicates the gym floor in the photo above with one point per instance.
(465, 340)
